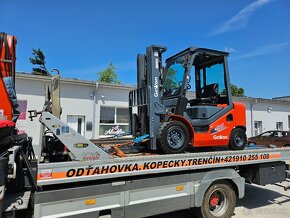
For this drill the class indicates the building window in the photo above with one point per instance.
(113, 121)
(107, 115)
(122, 115)
(279, 125)
(258, 127)
(77, 123)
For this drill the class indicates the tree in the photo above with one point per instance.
(39, 60)
(109, 75)
(236, 91)
(170, 82)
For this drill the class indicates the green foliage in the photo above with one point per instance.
(109, 75)
(39, 61)
(170, 81)
(236, 91)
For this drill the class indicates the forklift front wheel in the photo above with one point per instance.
(173, 137)
(238, 139)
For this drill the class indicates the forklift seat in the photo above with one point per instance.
(209, 96)
(210, 91)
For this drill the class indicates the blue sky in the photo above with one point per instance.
(81, 37)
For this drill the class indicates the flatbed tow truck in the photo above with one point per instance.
(82, 179)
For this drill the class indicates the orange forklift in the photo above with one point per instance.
(160, 108)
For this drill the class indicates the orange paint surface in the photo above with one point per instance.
(7, 69)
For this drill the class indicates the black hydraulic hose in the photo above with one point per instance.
(4, 154)
(1, 42)
(8, 56)
(9, 59)
(3, 178)
(14, 59)
(28, 168)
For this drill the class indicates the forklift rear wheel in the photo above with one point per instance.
(173, 137)
(238, 139)
(219, 201)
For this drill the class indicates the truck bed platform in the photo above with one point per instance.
(77, 171)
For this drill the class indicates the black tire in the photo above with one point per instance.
(172, 137)
(238, 139)
(219, 201)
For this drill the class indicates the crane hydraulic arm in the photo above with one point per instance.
(9, 107)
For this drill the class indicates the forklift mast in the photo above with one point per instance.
(147, 96)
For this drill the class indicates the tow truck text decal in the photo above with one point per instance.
(91, 170)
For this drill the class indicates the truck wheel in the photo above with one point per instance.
(219, 201)
(172, 137)
(238, 139)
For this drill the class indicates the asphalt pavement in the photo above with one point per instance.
(260, 201)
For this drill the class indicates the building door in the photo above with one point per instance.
(258, 127)
(77, 123)
(279, 126)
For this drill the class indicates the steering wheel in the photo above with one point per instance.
(177, 90)
(187, 87)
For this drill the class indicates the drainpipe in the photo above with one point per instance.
(94, 110)
(252, 117)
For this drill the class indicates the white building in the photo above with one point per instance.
(96, 110)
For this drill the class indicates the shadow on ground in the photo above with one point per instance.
(255, 197)
(259, 196)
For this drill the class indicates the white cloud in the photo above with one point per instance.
(264, 50)
(230, 50)
(241, 18)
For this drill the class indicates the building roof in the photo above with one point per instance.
(23, 75)
(260, 100)
(285, 98)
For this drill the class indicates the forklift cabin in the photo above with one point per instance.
(204, 72)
